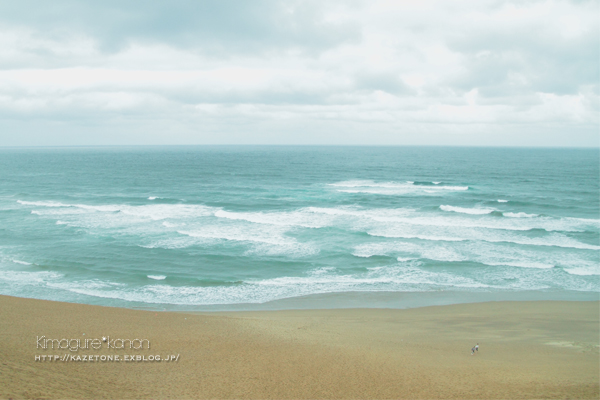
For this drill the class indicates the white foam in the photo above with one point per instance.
(590, 270)
(502, 201)
(170, 225)
(126, 219)
(390, 218)
(238, 234)
(151, 211)
(294, 218)
(406, 259)
(171, 243)
(472, 211)
(436, 183)
(322, 271)
(392, 188)
(265, 233)
(519, 264)
(403, 278)
(151, 198)
(42, 203)
(28, 277)
(410, 251)
(263, 239)
(519, 215)
(21, 262)
(407, 235)
(366, 250)
(484, 253)
(458, 234)
(87, 285)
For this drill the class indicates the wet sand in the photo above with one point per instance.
(545, 349)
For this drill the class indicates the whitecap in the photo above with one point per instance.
(292, 218)
(393, 188)
(519, 215)
(593, 270)
(405, 259)
(157, 277)
(472, 211)
(42, 203)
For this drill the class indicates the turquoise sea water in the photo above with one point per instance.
(228, 227)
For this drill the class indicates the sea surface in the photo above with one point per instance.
(285, 227)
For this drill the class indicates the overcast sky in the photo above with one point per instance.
(523, 73)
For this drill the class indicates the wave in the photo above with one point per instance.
(474, 235)
(484, 253)
(472, 211)
(29, 277)
(152, 211)
(394, 188)
(269, 240)
(21, 262)
(406, 259)
(265, 290)
(402, 217)
(297, 218)
(272, 233)
(42, 203)
(122, 218)
(409, 251)
(126, 216)
(152, 198)
(237, 234)
(502, 201)
(519, 215)
(585, 271)
(403, 277)
(408, 275)
(167, 224)
(407, 235)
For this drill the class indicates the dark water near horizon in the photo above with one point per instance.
(193, 227)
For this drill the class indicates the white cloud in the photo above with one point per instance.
(378, 72)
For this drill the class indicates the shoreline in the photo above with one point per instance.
(344, 300)
(528, 349)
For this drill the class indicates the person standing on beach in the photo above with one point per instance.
(477, 348)
(472, 350)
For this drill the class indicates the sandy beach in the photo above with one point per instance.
(526, 350)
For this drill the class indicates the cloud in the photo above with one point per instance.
(377, 72)
(209, 26)
(549, 47)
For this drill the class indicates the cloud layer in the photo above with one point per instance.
(268, 72)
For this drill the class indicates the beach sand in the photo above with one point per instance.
(540, 349)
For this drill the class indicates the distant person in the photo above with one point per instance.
(477, 348)
(472, 350)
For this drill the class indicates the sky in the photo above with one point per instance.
(179, 72)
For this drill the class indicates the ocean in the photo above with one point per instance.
(258, 227)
